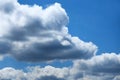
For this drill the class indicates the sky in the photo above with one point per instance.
(59, 40)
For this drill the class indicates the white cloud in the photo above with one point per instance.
(31, 33)
(9, 73)
(1, 57)
(101, 63)
(117, 77)
(38, 73)
(102, 67)
(34, 73)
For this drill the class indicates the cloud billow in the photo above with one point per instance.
(101, 67)
(31, 33)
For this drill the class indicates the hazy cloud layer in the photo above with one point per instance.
(102, 67)
(31, 33)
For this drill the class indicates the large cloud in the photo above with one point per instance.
(31, 33)
(102, 67)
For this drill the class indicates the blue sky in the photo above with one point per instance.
(93, 25)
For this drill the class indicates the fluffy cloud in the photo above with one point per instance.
(34, 73)
(107, 63)
(101, 67)
(9, 73)
(47, 72)
(31, 33)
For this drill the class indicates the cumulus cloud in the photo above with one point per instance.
(31, 33)
(34, 73)
(9, 73)
(101, 67)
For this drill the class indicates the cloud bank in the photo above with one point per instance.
(101, 67)
(31, 33)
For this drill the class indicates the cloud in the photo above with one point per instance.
(34, 73)
(48, 72)
(9, 73)
(31, 33)
(100, 67)
(106, 63)
(50, 78)
(117, 77)
(1, 57)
